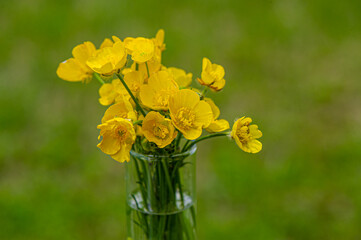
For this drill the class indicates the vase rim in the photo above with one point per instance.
(152, 157)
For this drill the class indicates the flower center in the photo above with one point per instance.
(122, 134)
(185, 117)
(243, 134)
(160, 131)
(161, 98)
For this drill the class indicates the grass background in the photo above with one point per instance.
(291, 65)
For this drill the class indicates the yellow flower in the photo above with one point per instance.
(75, 69)
(141, 49)
(158, 129)
(156, 93)
(118, 137)
(245, 135)
(107, 60)
(182, 78)
(134, 80)
(217, 125)
(112, 92)
(123, 109)
(189, 114)
(212, 75)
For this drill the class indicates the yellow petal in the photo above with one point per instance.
(159, 38)
(183, 98)
(218, 126)
(106, 43)
(72, 70)
(109, 144)
(116, 39)
(122, 109)
(123, 154)
(218, 85)
(214, 107)
(204, 115)
(182, 79)
(192, 133)
(83, 51)
(254, 131)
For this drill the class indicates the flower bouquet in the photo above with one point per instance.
(153, 122)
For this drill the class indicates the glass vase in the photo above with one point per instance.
(161, 196)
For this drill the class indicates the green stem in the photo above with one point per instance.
(185, 145)
(204, 91)
(177, 140)
(206, 137)
(146, 64)
(138, 122)
(96, 75)
(167, 177)
(131, 94)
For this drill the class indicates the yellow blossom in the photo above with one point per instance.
(134, 80)
(212, 75)
(182, 78)
(141, 49)
(123, 109)
(118, 137)
(246, 135)
(158, 129)
(112, 92)
(156, 93)
(217, 125)
(189, 114)
(75, 69)
(107, 60)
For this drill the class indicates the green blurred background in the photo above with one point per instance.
(291, 65)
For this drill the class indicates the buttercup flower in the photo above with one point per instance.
(75, 69)
(156, 93)
(217, 125)
(158, 129)
(245, 135)
(134, 80)
(107, 60)
(189, 114)
(212, 75)
(182, 78)
(141, 49)
(118, 137)
(112, 92)
(123, 109)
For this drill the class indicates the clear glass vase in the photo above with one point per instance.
(161, 196)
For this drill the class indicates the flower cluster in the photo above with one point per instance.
(152, 105)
